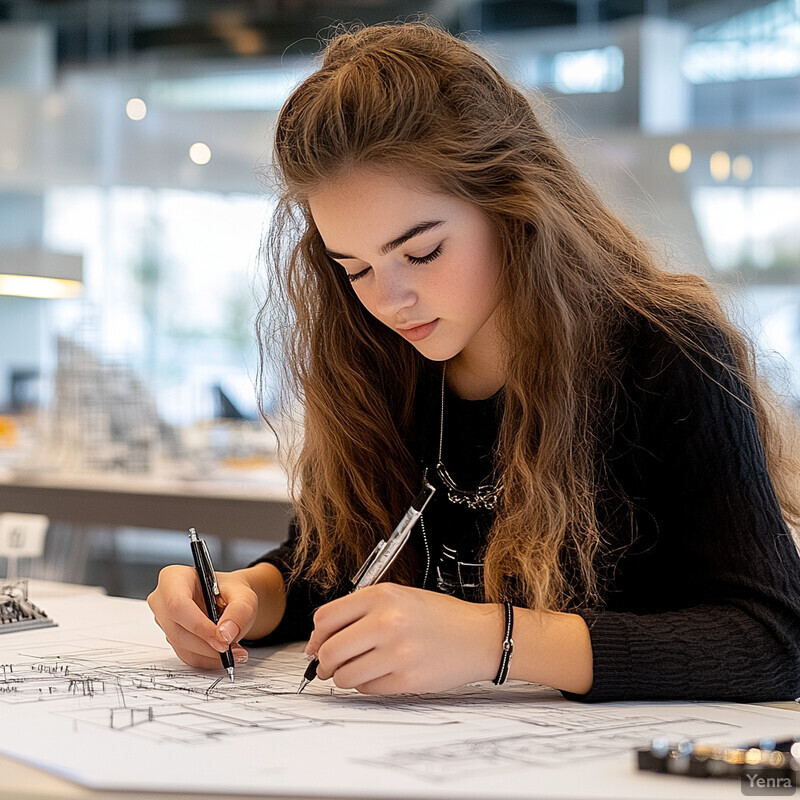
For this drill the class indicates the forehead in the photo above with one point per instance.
(368, 204)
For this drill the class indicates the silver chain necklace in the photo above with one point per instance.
(485, 496)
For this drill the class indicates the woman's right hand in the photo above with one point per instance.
(177, 604)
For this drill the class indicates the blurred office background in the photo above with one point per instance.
(134, 147)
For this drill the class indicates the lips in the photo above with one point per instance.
(418, 332)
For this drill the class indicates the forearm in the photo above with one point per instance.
(551, 648)
(267, 582)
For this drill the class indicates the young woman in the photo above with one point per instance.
(462, 308)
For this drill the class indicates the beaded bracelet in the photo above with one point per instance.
(508, 645)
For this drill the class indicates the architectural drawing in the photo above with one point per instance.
(174, 704)
(92, 704)
(559, 737)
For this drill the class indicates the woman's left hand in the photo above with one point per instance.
(390, 639)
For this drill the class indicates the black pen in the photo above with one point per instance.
(210, 589)
(380, 559)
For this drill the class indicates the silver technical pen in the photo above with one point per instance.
(381, 558)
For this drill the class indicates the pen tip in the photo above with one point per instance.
(303, 685)
(230, 673)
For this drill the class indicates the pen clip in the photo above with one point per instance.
(212, 575)
(384, 567)
(372, 558)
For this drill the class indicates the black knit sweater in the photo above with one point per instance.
(702, 599)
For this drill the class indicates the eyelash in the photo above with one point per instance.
(435, 253)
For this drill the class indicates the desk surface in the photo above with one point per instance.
(248, 507)
(267, 483)
(22, 782)
(120, 619)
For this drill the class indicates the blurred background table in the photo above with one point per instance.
(241, 508)
(118, 530)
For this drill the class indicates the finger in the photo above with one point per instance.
(237, 618)
(203, 657)
(386, 684)
(177, 600)
(200, 662)
(343, 646)
(362, 671)
(336, 615)
(240, 655)
(187, 614)
(182, 640)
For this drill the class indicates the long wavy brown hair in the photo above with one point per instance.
(412, 97)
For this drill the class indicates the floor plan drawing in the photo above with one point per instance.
(550, 746)
(95, 702)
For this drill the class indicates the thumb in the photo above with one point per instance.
(237, 617)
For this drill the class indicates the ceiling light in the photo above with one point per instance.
(38, 273)
(200, 153)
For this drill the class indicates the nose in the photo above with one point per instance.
(394, 293)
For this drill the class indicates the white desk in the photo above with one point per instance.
(103, 620)
(40, 591)
(20, 781)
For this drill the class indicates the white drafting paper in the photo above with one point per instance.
(102, 700)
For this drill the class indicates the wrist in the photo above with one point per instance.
(266, 582)
(256, 577)
(552, 648)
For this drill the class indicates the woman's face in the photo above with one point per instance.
(425, 264)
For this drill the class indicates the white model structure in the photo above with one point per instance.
(102, 418)
(17, 612)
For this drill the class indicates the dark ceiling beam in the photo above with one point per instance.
(92, 30)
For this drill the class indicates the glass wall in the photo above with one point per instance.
(170, 289)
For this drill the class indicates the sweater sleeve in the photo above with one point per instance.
(705, 602)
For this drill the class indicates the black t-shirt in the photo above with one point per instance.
(452, 536)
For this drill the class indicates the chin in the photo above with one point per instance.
(438, 354)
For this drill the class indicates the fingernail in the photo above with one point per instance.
(310, 656)
(229, 630)
(240, 657)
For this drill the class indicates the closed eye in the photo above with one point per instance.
(435, 253)
(354, 276)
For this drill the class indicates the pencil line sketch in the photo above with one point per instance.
(556, 743)
(175, 704)
(94, 708)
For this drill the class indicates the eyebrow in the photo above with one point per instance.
(416, 230)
